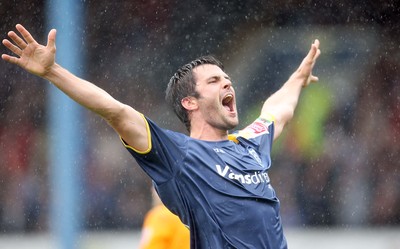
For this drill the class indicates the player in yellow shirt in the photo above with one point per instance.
(162, 229)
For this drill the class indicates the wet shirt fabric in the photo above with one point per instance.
(221, 190)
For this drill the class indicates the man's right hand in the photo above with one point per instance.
(40, 60)
(30, 55)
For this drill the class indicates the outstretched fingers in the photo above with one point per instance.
(316, 50)
(313, 53)
(10, 59)
(311, 58)
(313, 78)
(305, 69)
(25, 34)
(19, 44)
(17, 40)
(51, 39)
(13, 48)
(16, 50)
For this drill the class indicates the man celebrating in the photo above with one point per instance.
(217, 183)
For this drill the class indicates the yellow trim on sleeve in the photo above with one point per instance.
(148, 139)
(268, 117)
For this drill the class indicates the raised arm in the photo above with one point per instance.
(283, 102)
(40, 60)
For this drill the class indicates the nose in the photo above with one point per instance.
(227, 84)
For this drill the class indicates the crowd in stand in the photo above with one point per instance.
(350, 177)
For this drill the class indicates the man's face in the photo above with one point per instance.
(217, 102)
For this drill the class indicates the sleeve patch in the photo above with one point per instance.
(259, 127)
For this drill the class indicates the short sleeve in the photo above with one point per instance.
(167, 150)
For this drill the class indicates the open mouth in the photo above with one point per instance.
(227, 102)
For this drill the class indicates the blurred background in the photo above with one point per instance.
(337, 164)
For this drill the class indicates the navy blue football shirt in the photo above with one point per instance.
(220, 190)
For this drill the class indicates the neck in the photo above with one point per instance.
(208, 133)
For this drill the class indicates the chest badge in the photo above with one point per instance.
(254, 154)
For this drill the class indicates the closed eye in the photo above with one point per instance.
(214, 79)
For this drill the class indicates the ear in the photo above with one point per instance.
(189, 103)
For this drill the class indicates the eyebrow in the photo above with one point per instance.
(218, 77)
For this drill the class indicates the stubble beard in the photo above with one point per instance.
(225, 122)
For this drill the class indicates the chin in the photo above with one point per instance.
(232, 125)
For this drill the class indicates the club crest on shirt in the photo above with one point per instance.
(254, 154)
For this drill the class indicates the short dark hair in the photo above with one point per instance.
(182, 84)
